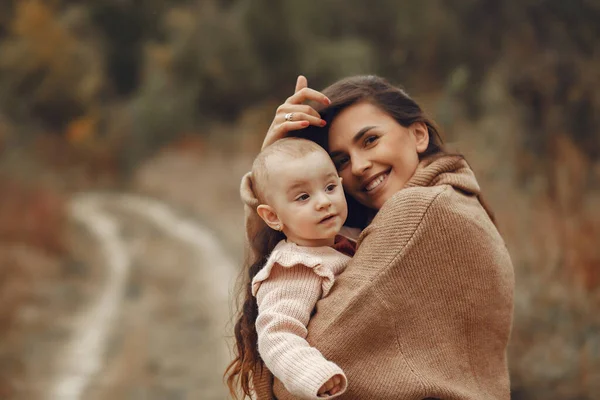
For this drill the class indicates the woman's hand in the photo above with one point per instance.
(331, 387)
(299, 115)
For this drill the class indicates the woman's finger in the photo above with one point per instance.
(301, 83)
(295, 108)
(282, 126)
(282, 130)
(305, 94)
(294, 104)
(300, 116)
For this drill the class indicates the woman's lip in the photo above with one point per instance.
(386, 175)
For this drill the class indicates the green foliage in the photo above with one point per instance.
(222, 57)
(225, 75)
(48, 74)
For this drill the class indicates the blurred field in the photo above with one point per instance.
(169, 101)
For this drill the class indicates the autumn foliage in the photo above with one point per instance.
(90, 90)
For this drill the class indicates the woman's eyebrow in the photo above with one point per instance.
(355, 139)
(361, 133)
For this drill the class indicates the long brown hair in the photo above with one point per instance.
(392, 100)
(247, 360)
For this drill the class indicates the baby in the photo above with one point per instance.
(300, 195)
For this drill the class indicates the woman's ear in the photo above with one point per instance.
(268, 214)
(421, 134)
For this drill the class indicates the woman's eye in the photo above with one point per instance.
(302, 197)
(331, 188)
(341, 162)
(370, 139)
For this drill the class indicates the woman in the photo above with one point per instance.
(424, 309)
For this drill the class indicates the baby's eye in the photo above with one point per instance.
(302, 197)
(331, 187)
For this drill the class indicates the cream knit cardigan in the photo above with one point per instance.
(287, 289)
(424, 308)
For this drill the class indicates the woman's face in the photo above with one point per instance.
(374, 154)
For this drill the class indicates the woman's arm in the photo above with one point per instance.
(262, 384)
(425, 303)
(285, 301)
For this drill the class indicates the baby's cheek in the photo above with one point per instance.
(309, 228)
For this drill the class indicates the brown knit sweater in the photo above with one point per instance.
(424, 309)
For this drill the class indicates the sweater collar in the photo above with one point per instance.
(445, 170)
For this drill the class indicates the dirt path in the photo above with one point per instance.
(156, 328)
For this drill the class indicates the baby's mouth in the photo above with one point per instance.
(328, 218)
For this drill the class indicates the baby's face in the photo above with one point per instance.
(308, 198)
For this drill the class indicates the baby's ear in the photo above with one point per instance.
(341, 179)
(268, 214)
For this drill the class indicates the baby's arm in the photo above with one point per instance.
(285, 301)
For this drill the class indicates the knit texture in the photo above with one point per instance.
(424, 309)
(287, 289)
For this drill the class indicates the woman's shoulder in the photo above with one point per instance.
(419, 200)
(442, 181)
(399, 218)
(416, 217)
(419, 207)
(409, 202)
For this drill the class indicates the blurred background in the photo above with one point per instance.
(125, 127)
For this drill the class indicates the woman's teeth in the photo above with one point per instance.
(375, 183)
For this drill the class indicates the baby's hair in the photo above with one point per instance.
(288, 148)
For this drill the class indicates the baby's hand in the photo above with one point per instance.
(331, 387)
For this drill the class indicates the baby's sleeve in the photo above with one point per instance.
(285, 302)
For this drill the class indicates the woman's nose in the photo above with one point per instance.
(360, 165)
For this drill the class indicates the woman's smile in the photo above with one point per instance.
(375, 183)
